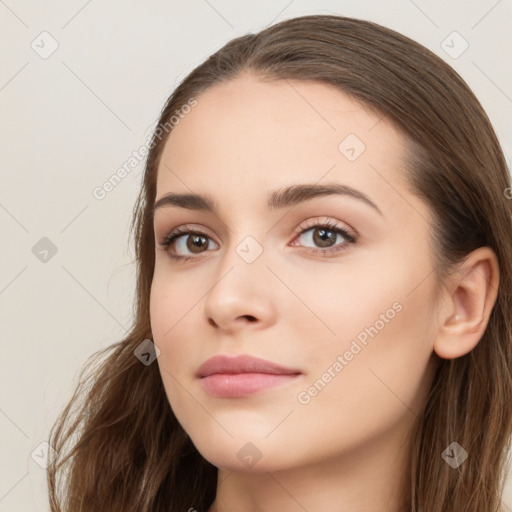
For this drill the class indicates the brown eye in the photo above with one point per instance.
(323, 237)
(195, 243)
(183, 242)
(327, 238)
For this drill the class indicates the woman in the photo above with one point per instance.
(324, 289)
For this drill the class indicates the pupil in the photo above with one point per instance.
(197, 242)
(325, 236)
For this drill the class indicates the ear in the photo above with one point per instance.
(469, 296)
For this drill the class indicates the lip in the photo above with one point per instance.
(241, 364)
(235, 377)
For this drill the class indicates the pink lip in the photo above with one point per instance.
(232, 377)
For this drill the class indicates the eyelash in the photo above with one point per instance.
(331, 226)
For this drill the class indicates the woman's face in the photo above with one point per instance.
(352, 314)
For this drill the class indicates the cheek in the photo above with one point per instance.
(375, 370)
(350, 303)
(161, 310)
(178, 324)
(378, 322)
(172, 300)
(170, 309)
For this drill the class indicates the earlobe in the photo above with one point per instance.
(470, 295)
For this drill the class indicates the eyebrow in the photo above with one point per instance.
(277, 199)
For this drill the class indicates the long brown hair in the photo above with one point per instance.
(118, 444)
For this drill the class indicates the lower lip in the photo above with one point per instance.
(230, 385)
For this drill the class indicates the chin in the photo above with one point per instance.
(243, 454)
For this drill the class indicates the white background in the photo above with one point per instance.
(70, 120)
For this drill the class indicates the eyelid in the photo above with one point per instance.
(314, 222)
(304, 225)
(184, 230)
(317, 221)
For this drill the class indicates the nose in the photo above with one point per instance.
(242, 295)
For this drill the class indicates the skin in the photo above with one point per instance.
(350, 444)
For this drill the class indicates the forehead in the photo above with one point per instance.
(251, 136)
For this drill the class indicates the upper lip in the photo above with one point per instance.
(241, 364)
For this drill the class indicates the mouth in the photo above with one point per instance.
(239, 385)
(243, 375)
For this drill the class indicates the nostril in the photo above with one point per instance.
(250, 318)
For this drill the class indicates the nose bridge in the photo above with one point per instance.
(247, 238)
(244, 259)
(242, 286)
